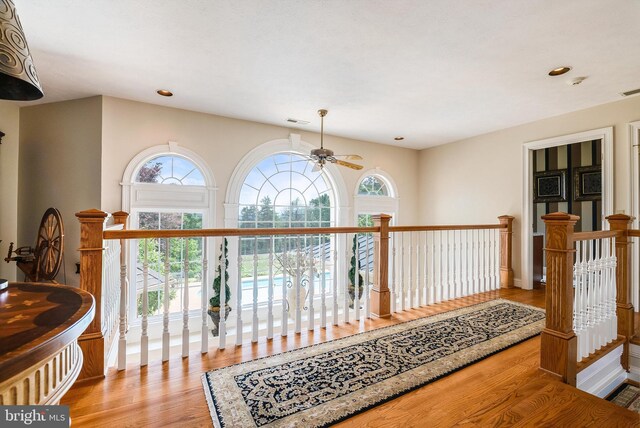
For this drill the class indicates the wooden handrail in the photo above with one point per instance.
(634, 233)
(193, 233)
(196, 233)
(92, 245)
(596, 234)
(446, 227)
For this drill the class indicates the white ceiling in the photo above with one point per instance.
(432, 71)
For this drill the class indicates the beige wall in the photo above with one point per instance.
(10, 125)
(477, 179)
(130, 127)
(59, 167)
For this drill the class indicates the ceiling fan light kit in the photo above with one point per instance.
(321, 156)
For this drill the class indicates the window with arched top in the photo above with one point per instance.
(373, 186)
(170, 169)
(167, 187)
(284, 190)
(375, 194)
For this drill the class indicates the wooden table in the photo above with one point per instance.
(39, 329)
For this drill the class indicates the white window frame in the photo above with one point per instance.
(157, 197)
(293, 144)
(372, 204)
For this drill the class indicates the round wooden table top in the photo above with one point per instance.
(37, 320)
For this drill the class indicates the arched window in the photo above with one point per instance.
(372, 186)
(167, 187)
(170, 169)
(376, 194)
(283, 190)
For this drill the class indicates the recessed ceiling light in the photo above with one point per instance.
(559, 71)
(399, 138)
(165, 92)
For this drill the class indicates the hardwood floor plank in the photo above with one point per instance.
(505, 389)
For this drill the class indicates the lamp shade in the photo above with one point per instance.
(18, 78)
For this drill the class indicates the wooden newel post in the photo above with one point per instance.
(624, 305)
(506, 249)
(559, 345)
(380, 296)
(91, 247)
(120, 217)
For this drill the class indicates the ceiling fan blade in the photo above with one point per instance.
(348, 164)
(350, 157)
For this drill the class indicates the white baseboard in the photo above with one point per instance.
(517, 282)
(603, 376)
(634, 362)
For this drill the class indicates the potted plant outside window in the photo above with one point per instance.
(214, 301)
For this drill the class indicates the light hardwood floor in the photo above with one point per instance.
(506, 389)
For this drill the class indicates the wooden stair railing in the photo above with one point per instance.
(558, 349)
(95, 345)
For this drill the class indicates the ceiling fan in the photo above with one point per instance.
(321, 156)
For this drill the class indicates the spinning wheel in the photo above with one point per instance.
(43, 262)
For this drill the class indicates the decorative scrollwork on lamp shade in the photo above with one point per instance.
(18, 78)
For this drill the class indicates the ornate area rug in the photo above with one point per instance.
(325, 383)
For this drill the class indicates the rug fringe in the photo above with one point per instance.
(209, 398)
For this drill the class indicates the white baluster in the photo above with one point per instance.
(285, 303)
(487, 259)
(447, 289)
(144, 339)
(583, 298)
(222, 325)
(440, 282)
(254, 325)
(367, 283)
(454, 260)
(323, 267)
(124, 288)
(347, 248)
(577, 296)
(394, 287)
(298, 326)
(613, 289)
(356, 279)
(166, 337)
(432, 289)
(205, 297)
(467, 260)
(239, 325)
(270, 291)
(425, 285)
(418, 280)
(496, 259)
(185, 302)
(599, 337)
(311, 322)
(411, 288)
(402, 285)
(588, 290)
